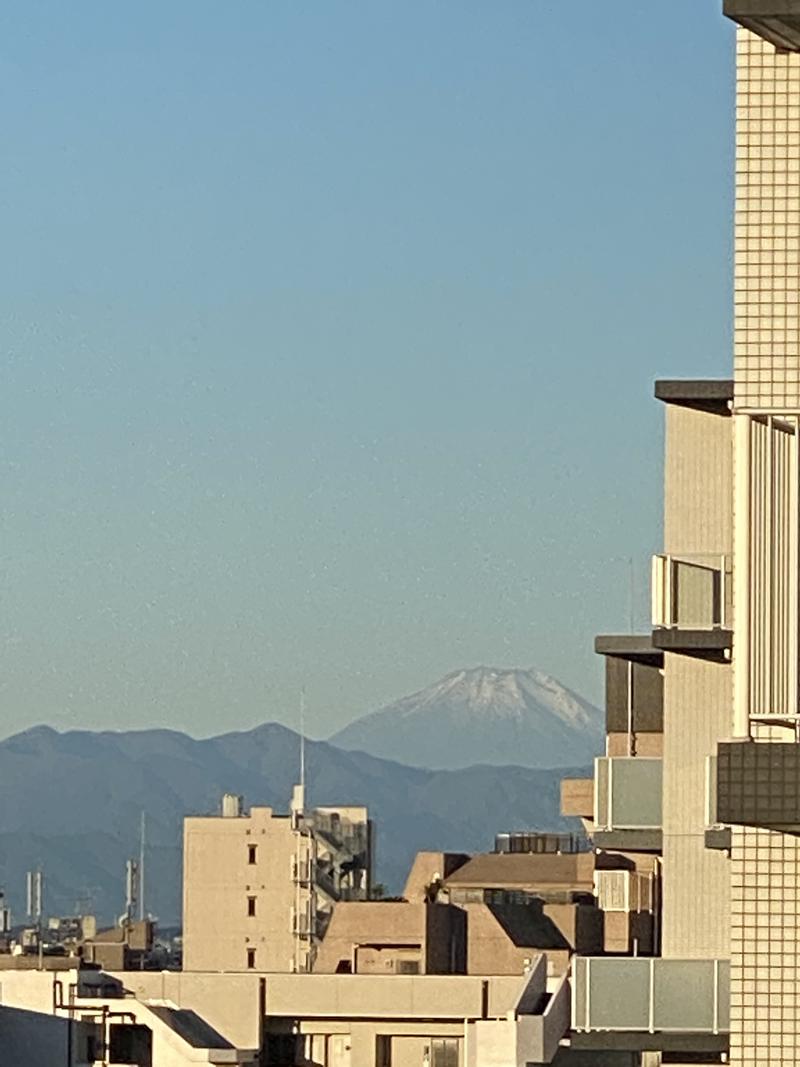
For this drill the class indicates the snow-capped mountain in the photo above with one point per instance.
(482, 715)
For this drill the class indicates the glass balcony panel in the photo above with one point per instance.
(650, 995)
(696, 596)
(628, 793)
(691, 592)
(681, 999)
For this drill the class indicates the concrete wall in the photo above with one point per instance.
(696, 885)
(30, 1039)
(34, 991)
(698, 482)
(217, 881)
(374, 936)
(442, 997)
(429, 867)
(231, 1003)
(698, 490)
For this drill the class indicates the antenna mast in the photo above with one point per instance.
(303, 739)
(141, 866)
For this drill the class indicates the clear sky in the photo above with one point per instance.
(329, 331)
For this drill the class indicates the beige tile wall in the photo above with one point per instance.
(767, 245)
(765, 865)
(765, 927)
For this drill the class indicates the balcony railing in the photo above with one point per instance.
(691, 592)
(627, 793)
(650, 995)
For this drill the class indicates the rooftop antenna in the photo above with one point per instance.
(303, 739)
(141, 866)
(299, 791)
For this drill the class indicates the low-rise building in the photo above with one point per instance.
(259, 887)
(394, 937)
(172, 1020)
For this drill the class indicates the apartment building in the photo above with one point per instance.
(723, 794)
(259, 887)
(654, 797)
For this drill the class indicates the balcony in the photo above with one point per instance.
(692, 603)
(777, 21)
(758, 784)
(634, 697)
(627, 807)
(650, 1003)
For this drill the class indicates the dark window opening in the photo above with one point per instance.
(251, 906)
(251, 959)
(251, 853)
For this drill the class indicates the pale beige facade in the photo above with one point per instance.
(258, 888)
(314, 1020)
(727, 605)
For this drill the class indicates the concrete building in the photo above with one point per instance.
(258, 888)
(725, 790)
(170, 1019)
(85, 1016)
(394, 937)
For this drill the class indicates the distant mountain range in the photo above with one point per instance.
(71, 803)
(482, 715)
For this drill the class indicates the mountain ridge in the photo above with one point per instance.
(497, 716)
(71, 802)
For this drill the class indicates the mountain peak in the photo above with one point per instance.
(483, 714)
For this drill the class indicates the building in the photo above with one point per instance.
(394, 937)
(258, 888)
(82, 1016)
(724, 792)
(493, 913)
(170, 1019)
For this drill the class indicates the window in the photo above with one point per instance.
(444, 1052)
(383, 1050)
(251, 853)
(251, 906)
(251, 959)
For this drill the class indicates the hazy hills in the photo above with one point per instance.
(482, 715)
(71, 803)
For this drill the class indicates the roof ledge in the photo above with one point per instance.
(705, 394)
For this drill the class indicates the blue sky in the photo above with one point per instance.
(329, 333)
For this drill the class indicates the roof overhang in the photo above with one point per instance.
(777, 21)
(704, 394)
(636, 647)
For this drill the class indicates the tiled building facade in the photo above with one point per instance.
(767, 245)
(765, 862)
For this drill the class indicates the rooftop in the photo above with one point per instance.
(510, 869)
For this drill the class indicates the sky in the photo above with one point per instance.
(329, 332)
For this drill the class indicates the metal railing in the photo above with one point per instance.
(691, 592)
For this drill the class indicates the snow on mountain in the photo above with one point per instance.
(482, 715)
